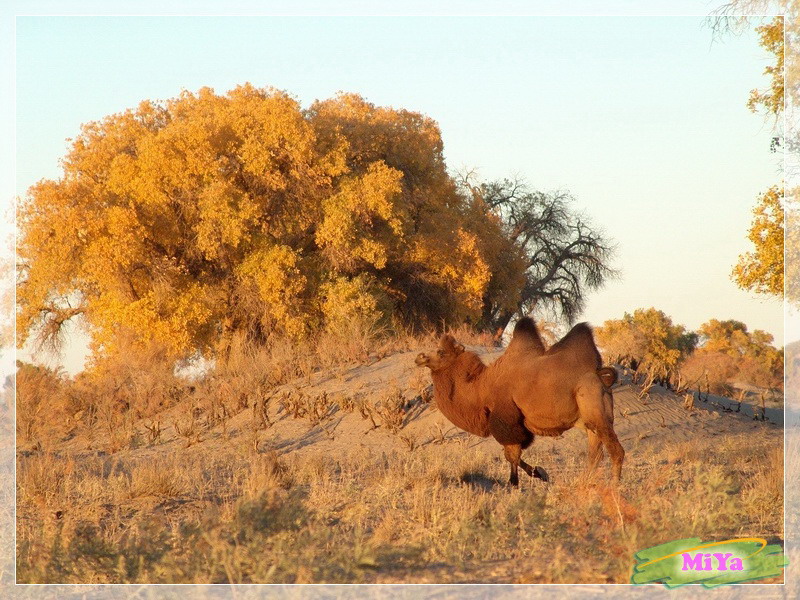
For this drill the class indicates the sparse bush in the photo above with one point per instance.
(43, 405)
(287, 519)
(391, 410)
(318, 407)
(712, 369)
(163, 478)
(227, 511)
(186, 425)
(266, 472)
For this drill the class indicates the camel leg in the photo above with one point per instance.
(506, 425)
(595, 449)
(596, 408)
(615, 450)
(513, 452)
(536, 472)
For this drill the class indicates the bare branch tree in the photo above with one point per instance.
(566, 256)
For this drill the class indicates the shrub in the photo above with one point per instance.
(714, 369)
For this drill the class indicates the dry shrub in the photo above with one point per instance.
(715, 369)
(163, 478)
(139, 378)
(756, 372)
(391, 410)
(266, 472)
(251, 369)
(764, 490)
(44, 408)
(469, 336)
(319, 407)
(104, 402)
(186, 424)
(347, 345)
(43, 478)
(248, 371)
(288, 359)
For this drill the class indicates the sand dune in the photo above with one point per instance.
(366, 459)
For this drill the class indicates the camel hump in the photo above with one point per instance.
(608, 375)
(579, 342)
(526, 338)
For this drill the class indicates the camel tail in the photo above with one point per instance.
(608, 376)
(526, 337)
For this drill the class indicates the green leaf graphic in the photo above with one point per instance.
(691, 560)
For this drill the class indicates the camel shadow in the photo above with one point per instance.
(311, 437)
(479, 481)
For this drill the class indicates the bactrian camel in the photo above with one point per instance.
(529, 391)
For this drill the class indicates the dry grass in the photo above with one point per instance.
(163, 479)
(271, 518)
(128, 488)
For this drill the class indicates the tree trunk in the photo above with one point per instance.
(502, 320)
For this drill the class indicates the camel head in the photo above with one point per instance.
(449, 350)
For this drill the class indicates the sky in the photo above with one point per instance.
(642, 119)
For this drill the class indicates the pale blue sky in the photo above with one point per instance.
(643, 119)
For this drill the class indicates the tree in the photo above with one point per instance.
(187, 222)
(728, 337)
(646, 339)
(771, 100)
(732, 337)
(564, 257)
(754, 358)
(762, 269)
(713, 370)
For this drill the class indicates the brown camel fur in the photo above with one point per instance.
(454, 373)
(529, 391)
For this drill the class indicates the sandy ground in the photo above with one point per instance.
(645, 424)
(656, 419)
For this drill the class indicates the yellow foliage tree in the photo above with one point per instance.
(755, 359)
(185, 222)
(771, 38)
(761, 270)
(646, 339)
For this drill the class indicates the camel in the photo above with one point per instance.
(529, 391)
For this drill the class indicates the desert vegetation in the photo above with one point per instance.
(234, 477)
(246, 472)
(256, 277)
(252, 372)
(278, 519)
(721, 357)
